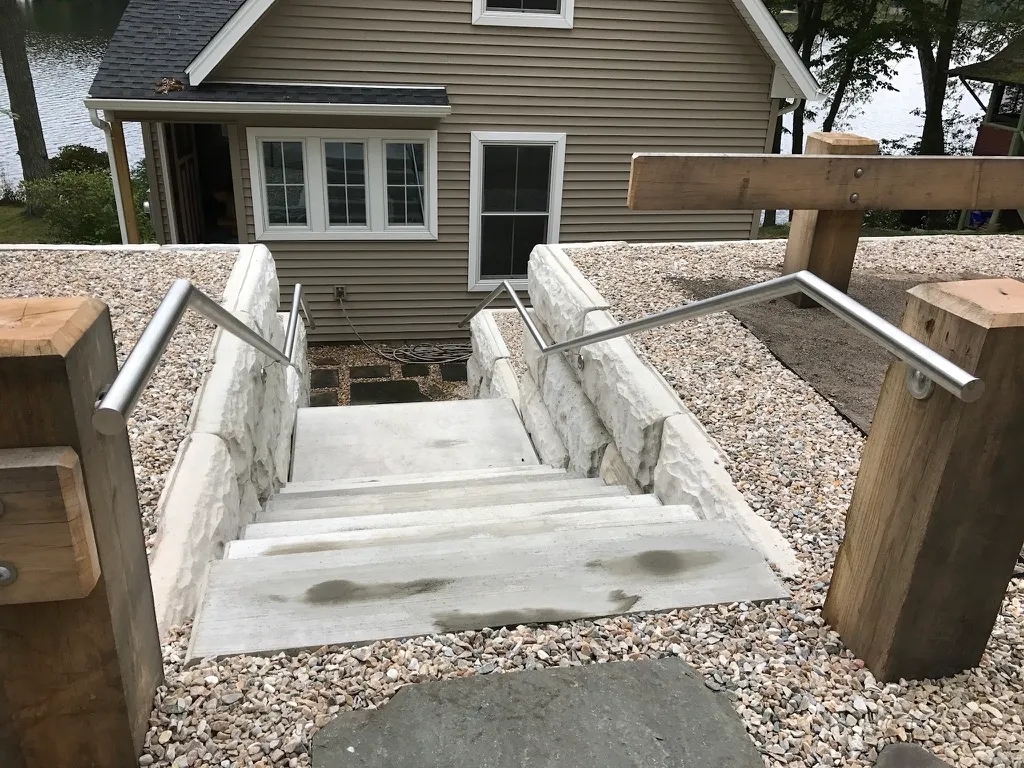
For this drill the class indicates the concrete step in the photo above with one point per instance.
(430, 480)
(511, 492)
(269, 604)
(317, 497)
(371, 440)
(345, 532)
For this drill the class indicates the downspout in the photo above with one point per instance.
(103, 125)
(790, 108)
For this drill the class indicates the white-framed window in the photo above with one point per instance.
(330, 184)
(515, 202)
(553, 14)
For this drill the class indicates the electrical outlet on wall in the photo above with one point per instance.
(340, 293)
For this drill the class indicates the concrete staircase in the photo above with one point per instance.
(404, 520)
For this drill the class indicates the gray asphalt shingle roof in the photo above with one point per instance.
(158, 39)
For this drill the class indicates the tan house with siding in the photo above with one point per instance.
(409, 154)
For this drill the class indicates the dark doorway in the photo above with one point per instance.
(200, 168)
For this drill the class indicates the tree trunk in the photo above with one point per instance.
(28, 130)
(771, 218)
(934, 79)
(853, 52)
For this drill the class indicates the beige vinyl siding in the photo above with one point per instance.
(157, 192)
(648, 75)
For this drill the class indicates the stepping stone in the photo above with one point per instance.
(381, 392)
(908, 756)
(323, 378)
(656, 714)
(454, 372)
(415, 369)
(370, 372)
(323, 399)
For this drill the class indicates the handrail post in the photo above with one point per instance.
(79, 673)
(935, 526)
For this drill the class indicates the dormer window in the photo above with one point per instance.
(554, 14)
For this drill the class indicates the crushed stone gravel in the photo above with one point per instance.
(132, 283)
(510, 325)
(804, 698)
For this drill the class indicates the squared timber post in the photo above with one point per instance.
(825, 242)
(123, 180)
(79, 650)
(937, 517)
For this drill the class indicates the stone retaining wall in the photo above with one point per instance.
(238, 447)
(602, 411)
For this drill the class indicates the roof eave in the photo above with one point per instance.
(179, 106)
(797, 80)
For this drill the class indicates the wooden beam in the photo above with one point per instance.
(123, 182)
(77, 677)
(45, 527)
(673, 182)
(935, 525)
(825, 242)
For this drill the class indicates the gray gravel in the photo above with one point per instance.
(805, 700)
(511, 328)
(132, 283)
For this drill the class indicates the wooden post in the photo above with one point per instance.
(825, 242)
(936, 523)
(77, 676)
(124, 180)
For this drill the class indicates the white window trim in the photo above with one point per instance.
(476, 195)
(485, 17)
(316, 185)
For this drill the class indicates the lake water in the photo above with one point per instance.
(66, 39)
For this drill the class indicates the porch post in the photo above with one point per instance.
(935, 526)
(121, 175)
(79, 650)
(825, 242)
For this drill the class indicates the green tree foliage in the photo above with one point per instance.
(78, 157)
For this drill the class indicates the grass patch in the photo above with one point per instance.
(16, 227)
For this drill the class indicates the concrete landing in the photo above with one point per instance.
(656, 714)
(364, 441)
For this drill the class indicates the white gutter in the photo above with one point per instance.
(172, 106)
(104, 126)
(790, 108)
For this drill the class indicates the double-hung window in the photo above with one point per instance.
(343, 185)
(515, 204)
(554, 14)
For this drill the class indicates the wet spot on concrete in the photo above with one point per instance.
(303, 548)
(446, 443)
(340, 591)
(623, 602)
(657, 562)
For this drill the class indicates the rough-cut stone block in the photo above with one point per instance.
(504, 384)
(476, 377)
(538, 423)
(574, 417)
(488, 344)
(614, 470)
(535, 361)
(691, 471)
(252, 293)
(631, 398)
(560, 299)
(201, 512)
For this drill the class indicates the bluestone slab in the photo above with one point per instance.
(656, 714)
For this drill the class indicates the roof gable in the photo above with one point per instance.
(186, 40)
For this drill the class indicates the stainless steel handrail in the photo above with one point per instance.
(118, 402)
(298, 300)
(927, 366)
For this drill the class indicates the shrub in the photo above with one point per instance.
(78, 206)
(78, 157)
(10, 193)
